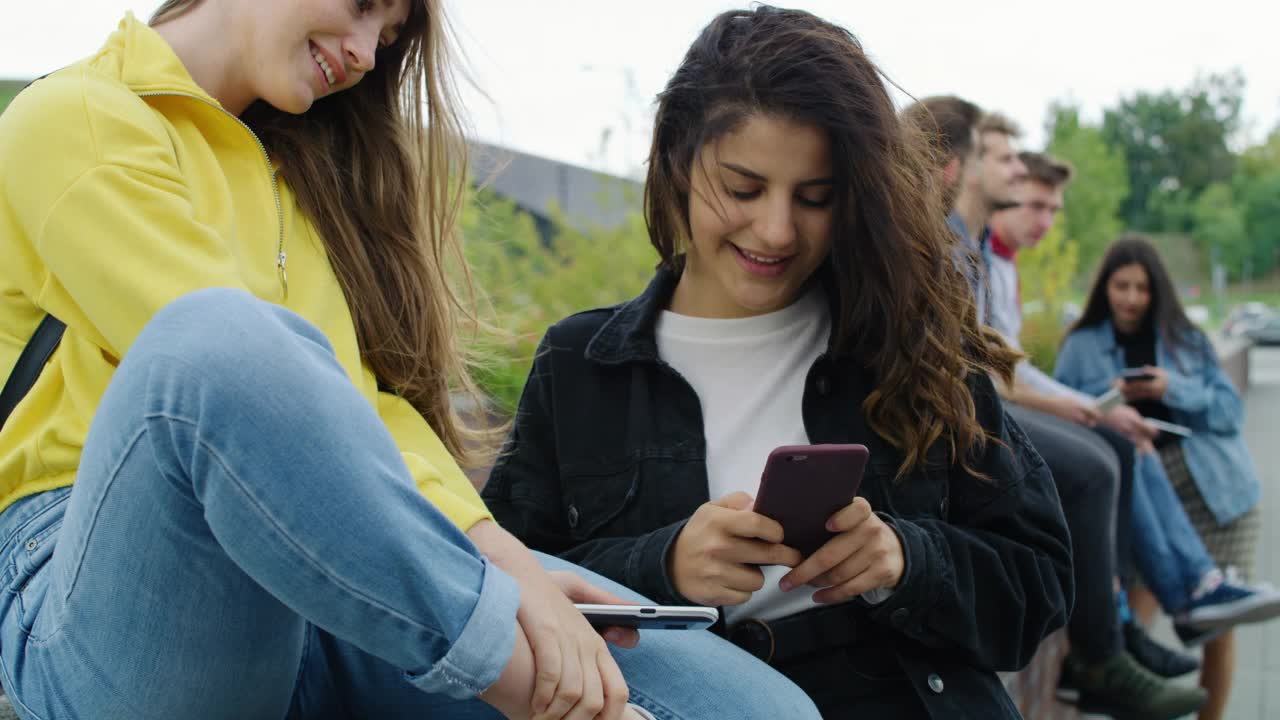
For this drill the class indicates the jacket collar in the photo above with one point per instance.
(139, 57)
(629, 335)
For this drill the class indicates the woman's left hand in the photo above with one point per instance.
(1152, 389)
(865, 554)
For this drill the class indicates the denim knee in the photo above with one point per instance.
(226, 329)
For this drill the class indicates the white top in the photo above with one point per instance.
(749, 374)
(1006, 318)
(1006, 314)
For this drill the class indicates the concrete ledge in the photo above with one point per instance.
(1233, 354)
(1033, 688)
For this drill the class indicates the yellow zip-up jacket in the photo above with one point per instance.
(124, 186)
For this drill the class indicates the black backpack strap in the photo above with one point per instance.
(32, 360)
(34, 356)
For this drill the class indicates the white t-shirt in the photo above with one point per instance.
(749, 374)
(1006, 318)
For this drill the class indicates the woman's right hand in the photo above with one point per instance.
(576, 677)
(561, 667)
(510, 694)
(715, 557)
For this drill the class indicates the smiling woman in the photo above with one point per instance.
(805, 294)
(233, 491)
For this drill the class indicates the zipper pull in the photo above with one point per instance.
(284, 276)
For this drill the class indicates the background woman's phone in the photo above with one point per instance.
(804, 485)
(650, 617)
(1132, 374)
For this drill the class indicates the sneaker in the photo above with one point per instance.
(1163, 661)
(1123, 689)
(1191, 637)
(1231, 604)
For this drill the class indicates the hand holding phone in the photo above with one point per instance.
(804, 485)
(1144, 383)
(1129, 375)
(865, 555)
(717, 556)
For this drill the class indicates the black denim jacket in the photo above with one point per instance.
(607, 461)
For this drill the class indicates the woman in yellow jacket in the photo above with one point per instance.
(232, 491)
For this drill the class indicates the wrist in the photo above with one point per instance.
(501, 547)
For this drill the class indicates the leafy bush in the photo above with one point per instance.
(528, 284)
(1046, 272)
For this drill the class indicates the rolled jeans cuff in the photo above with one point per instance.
(484, 647)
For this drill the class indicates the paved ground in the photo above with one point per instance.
(1257, 691)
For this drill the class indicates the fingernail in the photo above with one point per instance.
(786, 585)
(613, 636)
(831, 525)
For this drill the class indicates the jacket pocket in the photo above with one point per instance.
(633, 496)
(593, 501)
(922, 493)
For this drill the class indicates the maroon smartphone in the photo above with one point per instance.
(804, 485)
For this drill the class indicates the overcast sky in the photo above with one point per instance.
(574, 79)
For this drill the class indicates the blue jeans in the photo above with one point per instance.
(1167, 550)
(243, 540)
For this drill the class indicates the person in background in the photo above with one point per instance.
(1169, 554)
(1134, 319)
(1091, 477)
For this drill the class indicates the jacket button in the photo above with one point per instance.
(823, 385)
(935, 683)
(573, 516)
(900, 617)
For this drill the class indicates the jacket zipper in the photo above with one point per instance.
(271, 172)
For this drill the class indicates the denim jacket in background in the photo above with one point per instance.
(969, 254)
(607, 461)
(1200, 396)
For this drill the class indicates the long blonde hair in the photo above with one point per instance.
(382, 182)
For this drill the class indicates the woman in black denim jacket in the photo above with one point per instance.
(782, 185)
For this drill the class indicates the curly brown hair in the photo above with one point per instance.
(905, 308)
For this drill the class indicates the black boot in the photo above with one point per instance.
(1155, 657)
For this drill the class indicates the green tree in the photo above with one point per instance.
(1219, 228)
(1090, 215)
(1256, 186)
(1175, 142)
(6, 95)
